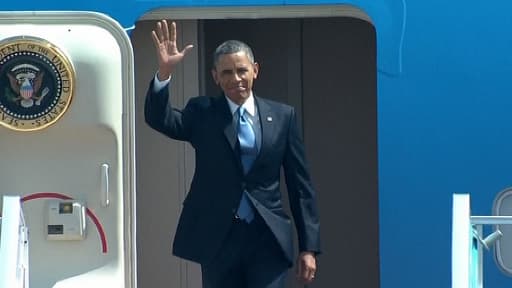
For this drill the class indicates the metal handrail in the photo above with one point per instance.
(491, 220)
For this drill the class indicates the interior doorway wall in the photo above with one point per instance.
(340, 128)
(326, 69)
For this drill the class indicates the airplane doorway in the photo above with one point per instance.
(324, 67)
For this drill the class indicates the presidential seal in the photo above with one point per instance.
(36, 83)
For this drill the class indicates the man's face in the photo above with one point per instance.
(235, 73)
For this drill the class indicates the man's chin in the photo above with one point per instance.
(238, 98)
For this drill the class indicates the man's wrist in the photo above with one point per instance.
(159, 84)
(308, 253)
(163, 76)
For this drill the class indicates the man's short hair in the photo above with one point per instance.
(231, 47)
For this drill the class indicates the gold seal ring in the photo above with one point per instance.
(36, 83)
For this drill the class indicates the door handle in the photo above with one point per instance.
(104, 189)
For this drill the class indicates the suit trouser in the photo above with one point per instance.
(249, 258)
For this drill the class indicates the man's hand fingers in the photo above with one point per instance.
(302, 273)
(310, 276)
(155, 39)
(306, 276)
(306, 268)
(164, 39)
(186, 49)
(172, 31)
(165, 30)
(159, 32)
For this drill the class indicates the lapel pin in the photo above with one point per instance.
(269, 119)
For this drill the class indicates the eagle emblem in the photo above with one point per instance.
(25, 82)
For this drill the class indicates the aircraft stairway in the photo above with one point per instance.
(13, 245)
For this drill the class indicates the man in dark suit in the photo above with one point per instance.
(233, 222)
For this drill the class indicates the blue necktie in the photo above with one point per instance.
(248, 152)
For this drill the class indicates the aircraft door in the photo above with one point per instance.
(67, 144)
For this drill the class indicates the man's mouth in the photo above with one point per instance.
(238, 88)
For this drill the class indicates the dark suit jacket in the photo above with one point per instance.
(208, 210)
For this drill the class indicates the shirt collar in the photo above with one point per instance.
(249, 105)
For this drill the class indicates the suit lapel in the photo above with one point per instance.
(227, 122)
(267, 128)
(230, 129)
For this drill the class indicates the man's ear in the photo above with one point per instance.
(214, 75)
(256, 68)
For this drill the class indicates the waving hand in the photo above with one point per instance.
(167, 50)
